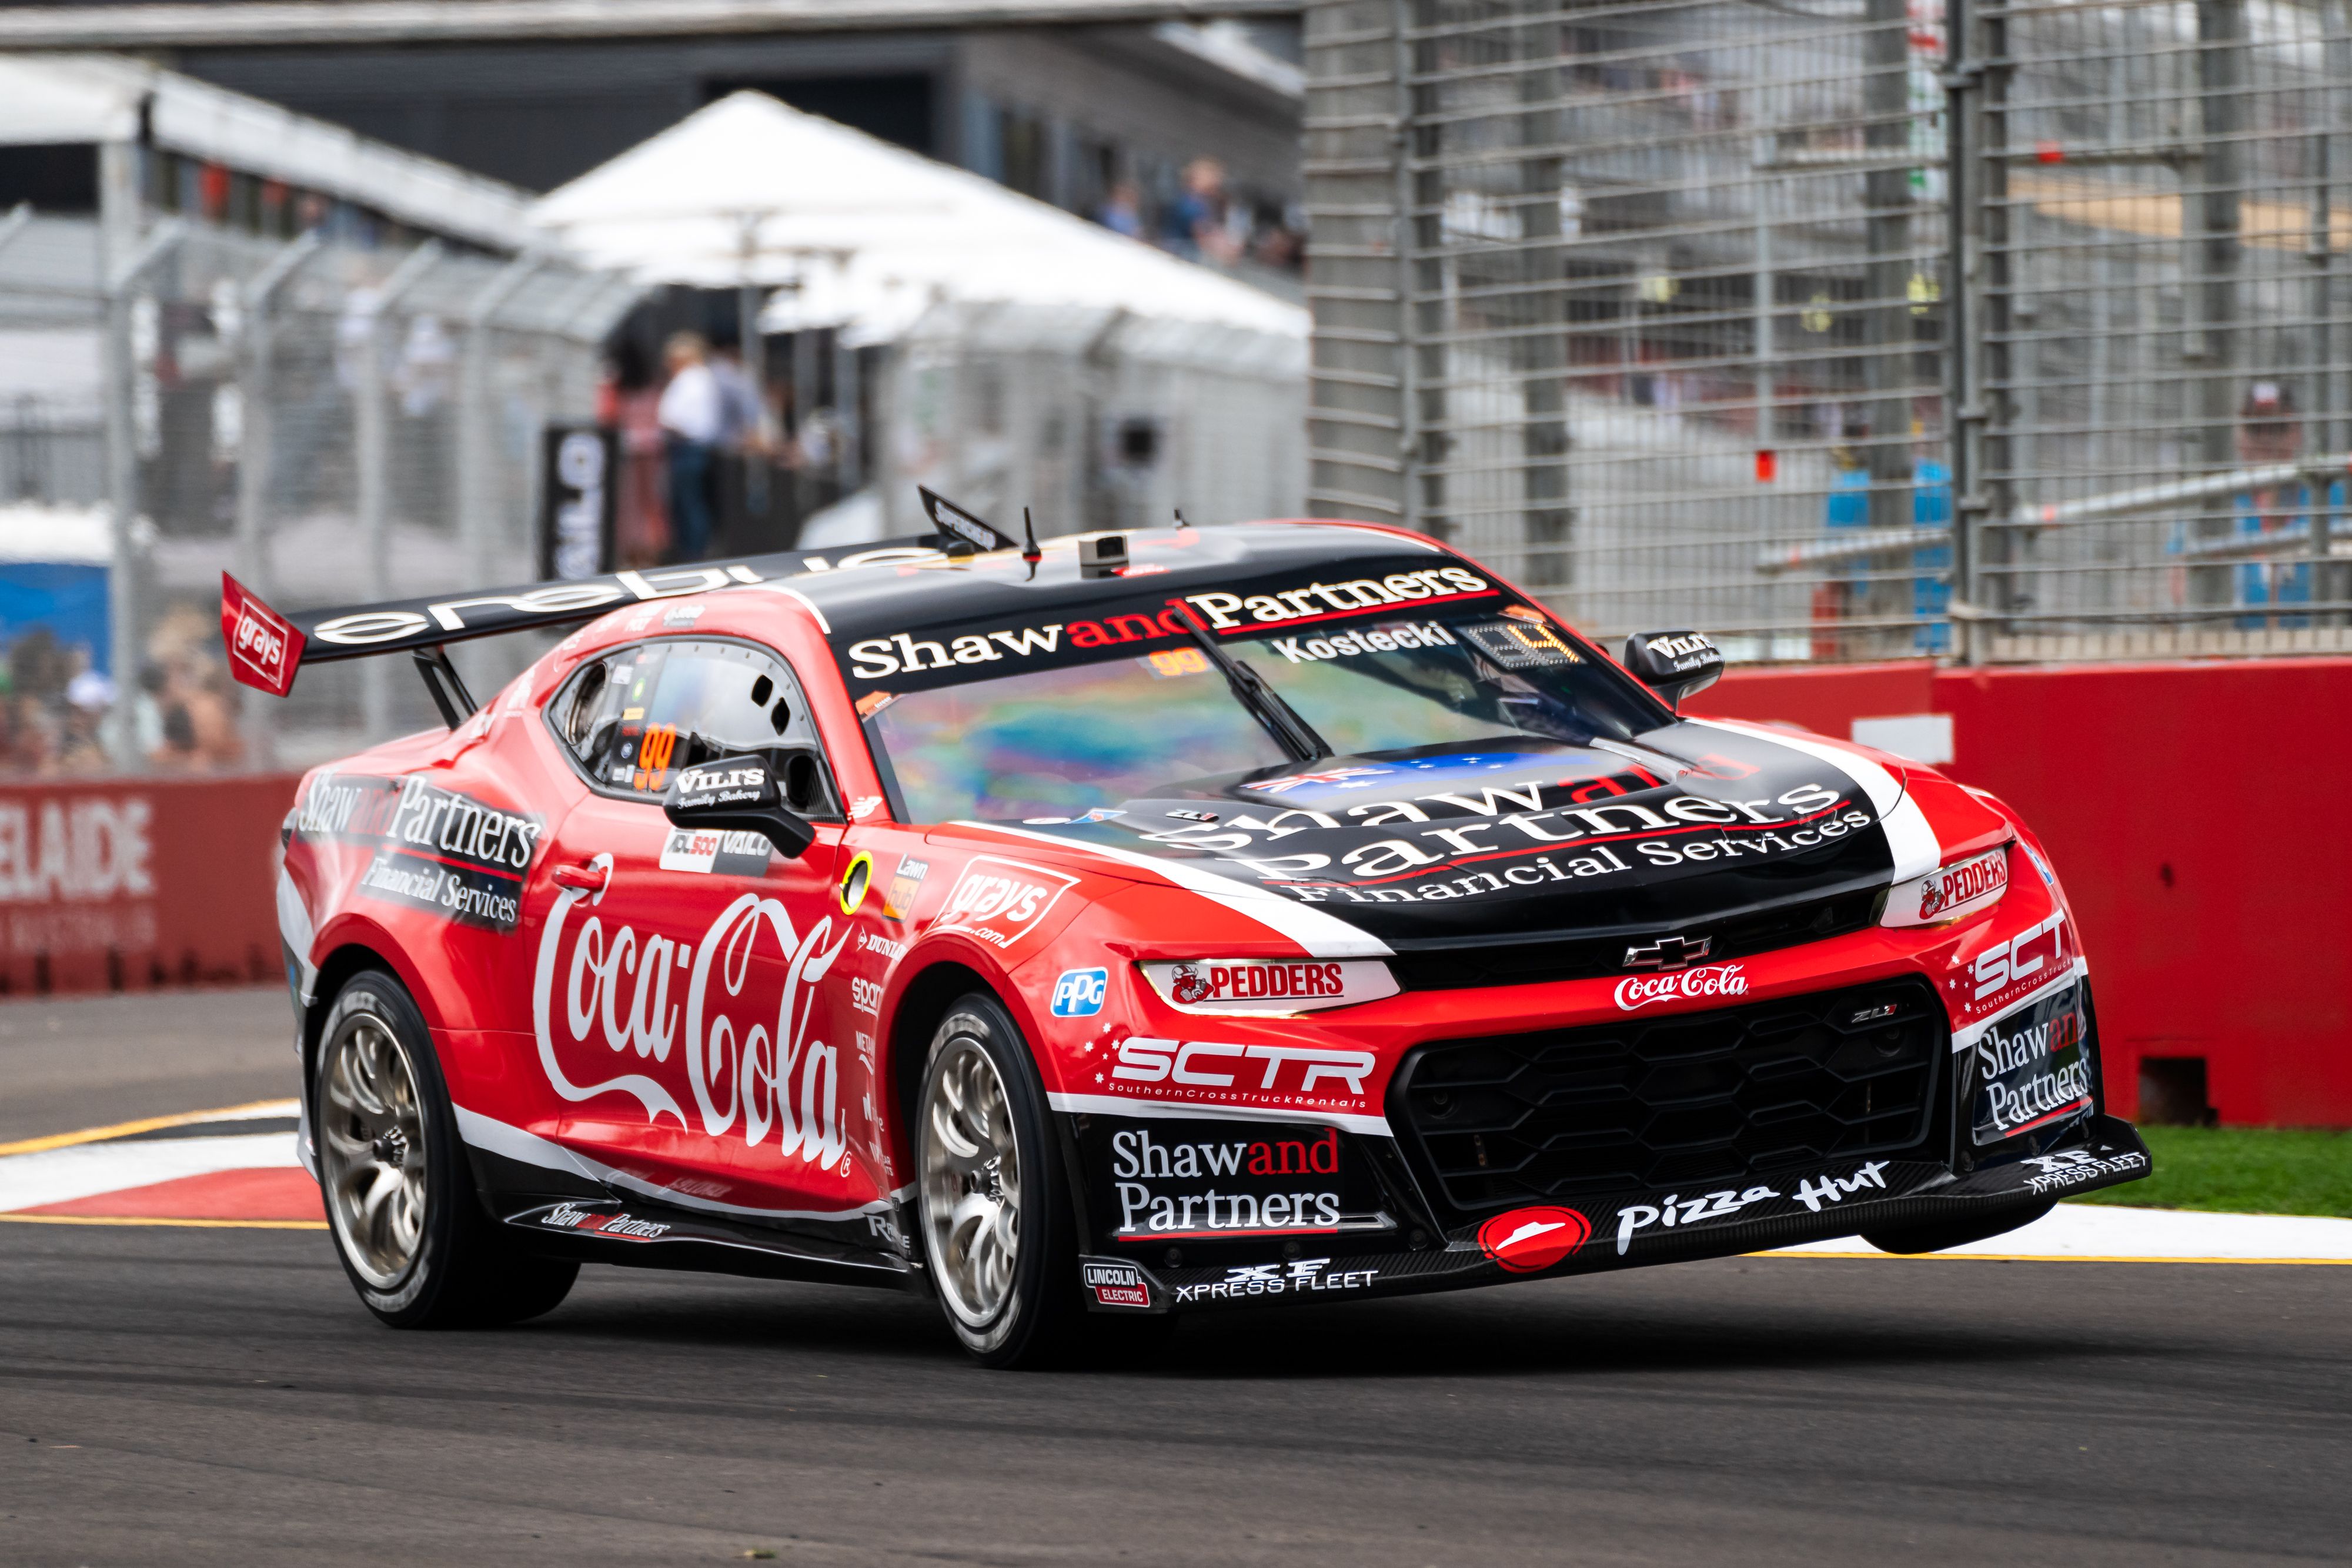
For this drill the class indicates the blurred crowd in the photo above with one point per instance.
(1206, 223)
(54, 706)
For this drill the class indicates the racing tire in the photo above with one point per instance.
(993, 1203)
(1912, 1240)
(402, 1209)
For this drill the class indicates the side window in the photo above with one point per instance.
(636, 716)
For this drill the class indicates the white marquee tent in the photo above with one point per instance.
(857, 233)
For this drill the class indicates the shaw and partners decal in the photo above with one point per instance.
(1208, 1180)
(1477, 844)
(909, 653)
(625, 1225)
(743, 1040)
(2032, 1067)
(436, 849)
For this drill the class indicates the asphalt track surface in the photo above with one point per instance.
(198, 1397)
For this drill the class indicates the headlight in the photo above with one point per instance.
(1269, 985)
(1955, 889)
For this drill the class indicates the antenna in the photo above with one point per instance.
(1180, 518)
(1029, 550)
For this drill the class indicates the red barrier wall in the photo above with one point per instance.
(2216, 926)
(131, 885)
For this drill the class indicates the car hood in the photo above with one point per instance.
(1526, 839)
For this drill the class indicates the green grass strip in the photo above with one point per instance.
(2241, 1170)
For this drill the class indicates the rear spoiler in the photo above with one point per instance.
(267, 649)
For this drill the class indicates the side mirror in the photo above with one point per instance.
(738, 794)
(1674, 664)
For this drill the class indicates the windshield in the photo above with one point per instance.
(1059, 743)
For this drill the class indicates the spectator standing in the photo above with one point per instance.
(1196, 226)
(1122, 210)
(630, 401)
(693, 419)
(738, 402)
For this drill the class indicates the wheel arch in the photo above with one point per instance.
(335, 970)
(921, 1004)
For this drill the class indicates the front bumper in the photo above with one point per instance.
(1841, 1200)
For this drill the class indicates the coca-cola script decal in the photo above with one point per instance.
(1714, 980)
(749, 1059)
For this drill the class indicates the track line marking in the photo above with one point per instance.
(189, 1224)
(253, 1111)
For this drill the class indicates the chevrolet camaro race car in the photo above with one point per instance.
(1184, 920)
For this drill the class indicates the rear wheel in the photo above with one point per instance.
(999, 1232)
(1935, 1237)
(400, 1199)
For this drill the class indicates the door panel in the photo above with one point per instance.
(685, 1002)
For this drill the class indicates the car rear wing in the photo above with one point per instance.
(267, 649)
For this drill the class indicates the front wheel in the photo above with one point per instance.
(399, 1197)
(997, 1222)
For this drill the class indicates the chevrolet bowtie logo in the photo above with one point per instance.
(1668, 953)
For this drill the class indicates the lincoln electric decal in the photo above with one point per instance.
(436, 850)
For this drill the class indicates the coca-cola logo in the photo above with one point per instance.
(1714, 980)
(745, 1049)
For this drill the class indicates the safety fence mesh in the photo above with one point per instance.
(330, 424)
(1848, 328)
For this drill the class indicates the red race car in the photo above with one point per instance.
(1155, 923)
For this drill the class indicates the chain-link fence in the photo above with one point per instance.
(1848, 328)
(1094, 418)
(330, 424)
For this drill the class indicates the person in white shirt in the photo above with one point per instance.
(693, 415)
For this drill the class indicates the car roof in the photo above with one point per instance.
(873, 602)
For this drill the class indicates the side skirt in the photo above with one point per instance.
(641, 1235)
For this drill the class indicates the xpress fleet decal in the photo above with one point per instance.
(436, 850)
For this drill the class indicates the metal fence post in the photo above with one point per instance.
(2212, 236)
(129, 530)
(1963, 267)
(255, 428)
(478, 421)
(1359, 444)
(1543, 356)
(373, 448)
